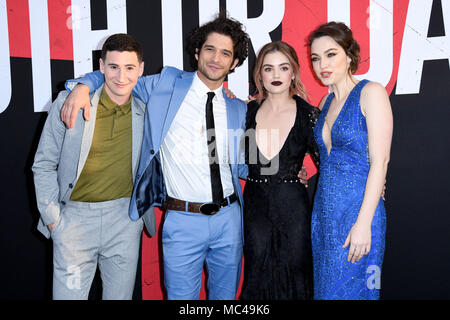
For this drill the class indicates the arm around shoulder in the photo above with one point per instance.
(146, 84)
(77, 99)
(92, 79)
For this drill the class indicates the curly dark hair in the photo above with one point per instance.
(225, 26)
(340, 33)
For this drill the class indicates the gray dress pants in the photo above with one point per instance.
(91, 234)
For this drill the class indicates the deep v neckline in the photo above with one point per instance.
(331, 97)
(284, 142)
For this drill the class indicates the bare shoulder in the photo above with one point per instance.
(372, 90)
(374, 97)
(322, 102)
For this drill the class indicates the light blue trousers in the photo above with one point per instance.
(191, 239)
(90, 234)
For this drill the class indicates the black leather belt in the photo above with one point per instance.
(208, 209)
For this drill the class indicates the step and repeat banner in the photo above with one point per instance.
(405, 45)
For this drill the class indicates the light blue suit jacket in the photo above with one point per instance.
(163, 93)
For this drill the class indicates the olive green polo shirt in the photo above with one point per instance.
(107, 173)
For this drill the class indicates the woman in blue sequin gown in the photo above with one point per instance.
(353, 134)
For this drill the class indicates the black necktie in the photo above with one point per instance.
(216, 183)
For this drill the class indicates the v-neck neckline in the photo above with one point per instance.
(287, 137)
(331, 97)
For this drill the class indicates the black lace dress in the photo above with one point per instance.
(277, 214)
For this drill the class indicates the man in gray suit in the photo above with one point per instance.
(84, 179)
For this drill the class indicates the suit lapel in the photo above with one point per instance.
(181, 88)
(137, 127)
(233, 125)
(88, 131)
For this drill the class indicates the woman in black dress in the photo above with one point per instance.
(277, 216)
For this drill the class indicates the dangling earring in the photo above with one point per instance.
(293, 83)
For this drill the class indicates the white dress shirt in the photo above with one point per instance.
(184, 150)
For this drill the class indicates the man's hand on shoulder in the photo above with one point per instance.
(229, 93)
(303, 176)
(77, 99)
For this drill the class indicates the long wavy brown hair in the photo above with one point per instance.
(296, 87)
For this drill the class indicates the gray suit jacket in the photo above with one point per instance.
(62, 153)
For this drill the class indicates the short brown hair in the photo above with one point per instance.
(297, 86)
(122, 42)
(343, 36)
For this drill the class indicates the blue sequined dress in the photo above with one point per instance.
(339, 195)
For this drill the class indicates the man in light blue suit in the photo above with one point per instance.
(191, 161)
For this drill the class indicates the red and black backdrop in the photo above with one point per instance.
(405, 46)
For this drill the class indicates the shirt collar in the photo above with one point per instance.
(202, 89)
(110, 105)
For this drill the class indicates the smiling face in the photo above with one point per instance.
(121, 71)
(276, 73)
(215, 59)
(329, 60)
